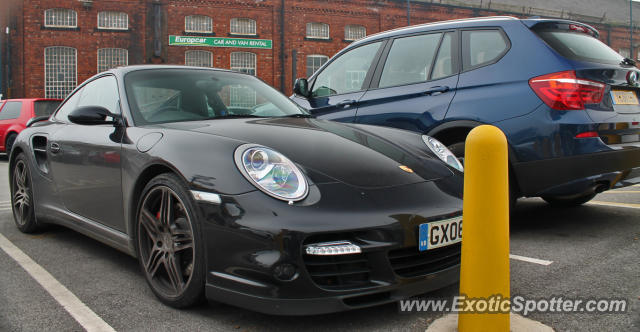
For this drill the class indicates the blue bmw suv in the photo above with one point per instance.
(567, 103)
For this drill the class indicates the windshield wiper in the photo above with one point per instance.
(628, 62)
(298, 115)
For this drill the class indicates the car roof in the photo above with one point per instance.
(128, 69)
(457, 24)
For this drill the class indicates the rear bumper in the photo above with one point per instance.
(617, 168)
(335, 303)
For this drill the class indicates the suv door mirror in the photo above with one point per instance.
(301, 87)
(92, 115)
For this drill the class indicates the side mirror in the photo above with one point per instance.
(92, 115)
(37, 119)
(301, 87)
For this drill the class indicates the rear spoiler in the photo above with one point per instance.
(561, 25)
(37, 119)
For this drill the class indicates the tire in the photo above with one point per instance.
(169, 242)
(22, 195)
(458, 150)
(11, 138)
(570, 201)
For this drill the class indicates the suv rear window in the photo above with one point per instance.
(45, 107)
(579, 46)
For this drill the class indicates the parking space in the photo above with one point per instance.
(593, 249)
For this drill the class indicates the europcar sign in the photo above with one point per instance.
(219, 42)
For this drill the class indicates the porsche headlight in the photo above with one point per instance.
(272, 172)
(442, 152)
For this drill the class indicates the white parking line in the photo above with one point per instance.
(615, 204)
(622, 192)
(78, 310)
(530, 260)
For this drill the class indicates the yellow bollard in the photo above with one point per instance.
(484, 270)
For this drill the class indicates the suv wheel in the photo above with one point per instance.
(458, 150)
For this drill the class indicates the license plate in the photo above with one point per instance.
(621, 97)
(440, 233)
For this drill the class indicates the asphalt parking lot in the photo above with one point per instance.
(594, 249)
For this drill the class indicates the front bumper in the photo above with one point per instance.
(251, 238)
(616, 168)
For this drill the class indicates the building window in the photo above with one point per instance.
(354, 32)
(198, 58)
(314, 62)
(113, 20)
(59, 71)
(243, 62)
(198, 23)
(109, 58)
(240, 96)
(243, 26)
(60, 18)
(318, 30)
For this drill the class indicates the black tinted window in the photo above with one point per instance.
(580, 46)
(409, 60)
(11, 110)
(45, 107)
(482, 47)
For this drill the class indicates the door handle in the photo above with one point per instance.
(54, 147)
(437, 89)
(346, 103)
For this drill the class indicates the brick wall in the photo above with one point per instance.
(30, 37)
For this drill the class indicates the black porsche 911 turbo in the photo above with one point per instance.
(224, 188)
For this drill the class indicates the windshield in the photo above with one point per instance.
(172, 95)
(580, 46)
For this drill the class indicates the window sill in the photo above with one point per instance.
(111, 30)
(193, 33)
(326, 40)
(59, 28)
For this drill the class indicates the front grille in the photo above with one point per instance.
(339, 272)
(409, 262)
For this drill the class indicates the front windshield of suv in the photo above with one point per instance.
(580, 46)
(172, 95)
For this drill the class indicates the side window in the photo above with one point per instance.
(409, 60)
(482, 47)
(11, 110)
(444, 65)
(101, 92)
(67, 107)
(346, 73)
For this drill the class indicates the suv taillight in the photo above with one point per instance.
(564, 91)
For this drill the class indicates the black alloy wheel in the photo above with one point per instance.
(22, 196)
(168, 244)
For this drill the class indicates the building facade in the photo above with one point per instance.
(47, 47)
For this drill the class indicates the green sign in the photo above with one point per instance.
(219, 42)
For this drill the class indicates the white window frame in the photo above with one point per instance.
(348, 34)
(199, 52)
(314, 27)
(242, 67)
(68, 19)
(210, 21)
(61, 86)
(114, 18)
(236, 21)
(326, 58)
(112, 54)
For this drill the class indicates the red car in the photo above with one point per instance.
(14, 114)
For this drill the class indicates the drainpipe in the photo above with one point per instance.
(408, 12)
(631, 29)
(1, 66)
(282, 50)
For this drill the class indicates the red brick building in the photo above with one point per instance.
(52, 45)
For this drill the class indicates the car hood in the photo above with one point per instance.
(357, 155)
